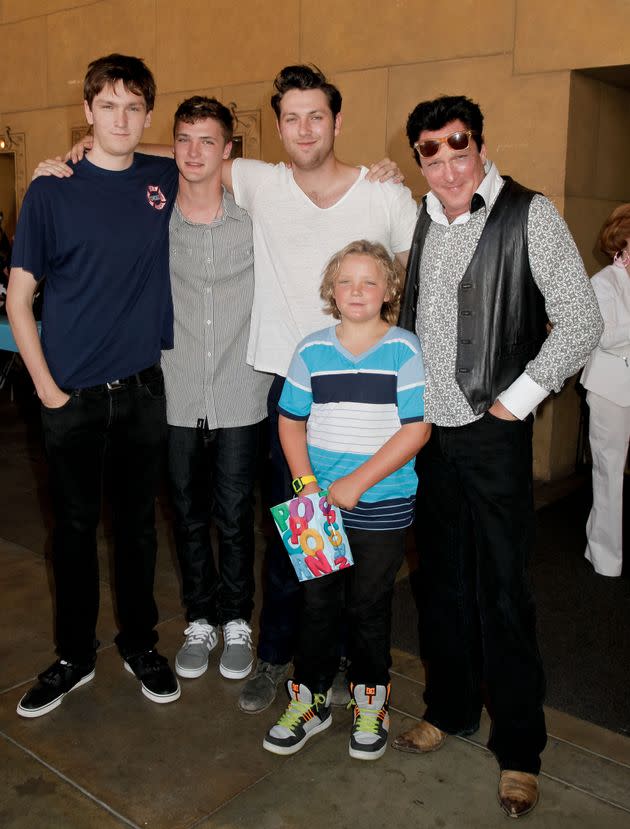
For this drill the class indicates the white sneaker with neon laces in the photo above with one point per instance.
(306, 714)
(368, 739)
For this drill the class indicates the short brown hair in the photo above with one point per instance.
(198, 108)
(614, 235)
(304, 77)
(133, 72)
(392, 271)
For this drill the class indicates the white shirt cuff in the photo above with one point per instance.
(523, 396)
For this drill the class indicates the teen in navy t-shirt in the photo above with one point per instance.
(100, 240)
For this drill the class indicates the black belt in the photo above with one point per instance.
(140, 378)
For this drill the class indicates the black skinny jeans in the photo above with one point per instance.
(362, 595)
(212, 475)
(474, 530)
(124, 428)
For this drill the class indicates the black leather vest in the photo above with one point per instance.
(501, 321)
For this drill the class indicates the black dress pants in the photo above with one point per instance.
(474, 529)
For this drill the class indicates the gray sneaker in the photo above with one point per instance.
(192, 659)
(238, 656)
(340, 691)
(261, 689)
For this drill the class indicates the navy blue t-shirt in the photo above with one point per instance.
(100, 238)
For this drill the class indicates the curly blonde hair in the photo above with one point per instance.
(392, 271)
(615, 232)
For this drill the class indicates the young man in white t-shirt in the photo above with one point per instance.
(302, 214)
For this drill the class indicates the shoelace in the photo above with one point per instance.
(237, 633)
(197, 633)
(297, 709)
(366, 720)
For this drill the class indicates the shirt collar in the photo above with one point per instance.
(485, 195)
(231, 209)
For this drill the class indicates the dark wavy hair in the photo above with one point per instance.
(198, 108)
(433, 115)
(133, 72)
(304, 77)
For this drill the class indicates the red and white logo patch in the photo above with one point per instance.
(155, 197)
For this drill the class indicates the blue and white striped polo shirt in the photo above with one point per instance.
(354, 404)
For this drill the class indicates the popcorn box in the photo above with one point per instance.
(312, 532)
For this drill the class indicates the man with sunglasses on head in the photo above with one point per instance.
(491, 262)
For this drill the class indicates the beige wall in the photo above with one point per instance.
(597, 169)
(513, 56)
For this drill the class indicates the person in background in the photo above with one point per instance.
(606, 378)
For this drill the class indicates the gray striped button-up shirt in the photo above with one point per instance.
(212, 279)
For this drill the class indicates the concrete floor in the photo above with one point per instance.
(108, 757)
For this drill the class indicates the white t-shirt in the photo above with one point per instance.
(294, 240)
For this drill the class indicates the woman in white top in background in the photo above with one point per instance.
(606, 377)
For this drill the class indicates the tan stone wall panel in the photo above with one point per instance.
(364, 128)
(564, 436)
(77, 36)
(612, 177)
(525, 116)
(12, 10)
(364, 33)
(557, 34)
(23, 76)
(224, 42)
(582, 138)
(47, 133)
(257, 96)
(542, 443)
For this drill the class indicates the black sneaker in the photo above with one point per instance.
(159, 683)
(52, 686)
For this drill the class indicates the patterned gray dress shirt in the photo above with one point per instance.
(212, 279)
(559, 273)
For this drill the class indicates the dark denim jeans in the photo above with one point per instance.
(212, 475)
(124, 429)
(475, 530)
(282, 595)
(362, 595)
